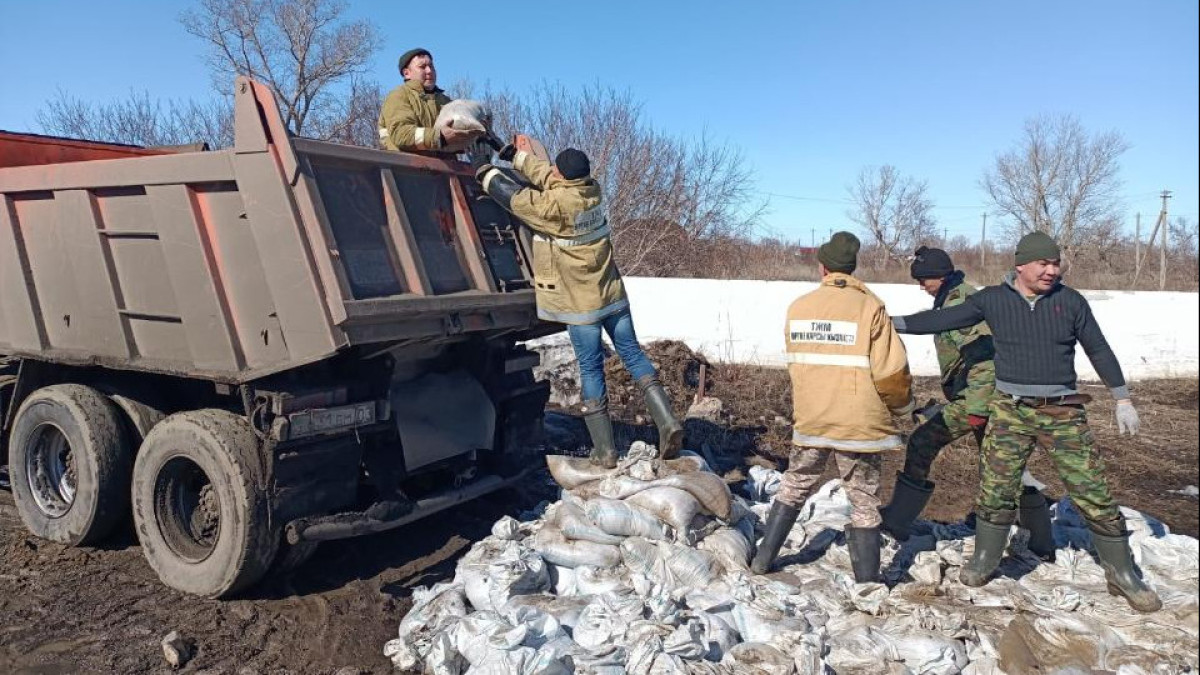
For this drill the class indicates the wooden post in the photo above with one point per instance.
(1162, 248)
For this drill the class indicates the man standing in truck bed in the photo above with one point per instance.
(409, 111)
(1036, 321)
(576, 282)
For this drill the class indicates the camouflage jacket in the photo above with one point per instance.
(965, 355)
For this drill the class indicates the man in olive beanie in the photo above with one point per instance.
(1036, 320)
(965, 358)
(408, 113)
(850, 377)
(840, 253)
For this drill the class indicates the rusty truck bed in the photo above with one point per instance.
(234, 264)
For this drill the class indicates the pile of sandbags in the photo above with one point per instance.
(643, 570)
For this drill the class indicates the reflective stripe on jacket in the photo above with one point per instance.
(576, 279)
(848, 367)
(407, 116)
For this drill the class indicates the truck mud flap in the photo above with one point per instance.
(374, 520)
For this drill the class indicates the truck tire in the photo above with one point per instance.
(70, 464)
(201, 515)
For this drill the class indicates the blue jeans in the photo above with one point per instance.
(589, 351)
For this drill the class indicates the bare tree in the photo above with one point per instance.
(140, 120)
(1184, 236)
(304, 50)
(894, 210)
(1058, 179)
(666, 196)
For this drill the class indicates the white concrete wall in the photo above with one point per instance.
(1153, 334)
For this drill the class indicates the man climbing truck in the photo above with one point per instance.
(255, 349)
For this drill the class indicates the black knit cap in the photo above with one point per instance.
(840, 253)
(573, 164)
(412, 54)
(930, 263)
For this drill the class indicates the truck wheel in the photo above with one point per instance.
(201, 516)
(70, 464)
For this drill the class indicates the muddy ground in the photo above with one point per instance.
(66, 610)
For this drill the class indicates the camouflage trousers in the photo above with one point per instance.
(859, 471)
(950, 424)
(1014, 429)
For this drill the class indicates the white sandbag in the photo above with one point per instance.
(464, 114)
(806, 650)
(708, 488)
(434, 612)
(686, 462)
(571, 472)
(565, 609)
(730, 546)
(927, 568)
(599, 580)
(924, 652)
(758, 658)
(562, 579)
(687, 641)
(759, 622)
(618, 487)
(620, 518)
(605, 621)
(763, 483)
(557, 550)
(575, 524)
(690, 567)
(507, 529)
(672, 506)
(490, 576)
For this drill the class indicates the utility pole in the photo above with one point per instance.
(813, 239)
(1162, 256)
(983, 245)
(945, 236)
(1137, 243)
(1162, 249)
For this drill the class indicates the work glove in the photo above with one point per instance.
(458, 139)
(1127, 418)
(479, 160)
(508, 152)
(926, 412)
(481, 170)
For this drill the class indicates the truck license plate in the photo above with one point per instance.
(324, 420)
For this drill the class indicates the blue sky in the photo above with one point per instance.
(810, 92)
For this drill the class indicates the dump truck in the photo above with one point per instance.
(256, 349)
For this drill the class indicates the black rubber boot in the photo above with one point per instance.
(990, 541)
(599, 426)
(779, 524)
(1122, 574)
(863, 543)
(670, 431)
(909, 498)
(1035, 517)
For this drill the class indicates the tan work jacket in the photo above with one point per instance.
(576, 280)
(848, 367)
(407, 116)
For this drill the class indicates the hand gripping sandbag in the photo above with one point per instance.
(465, 115)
